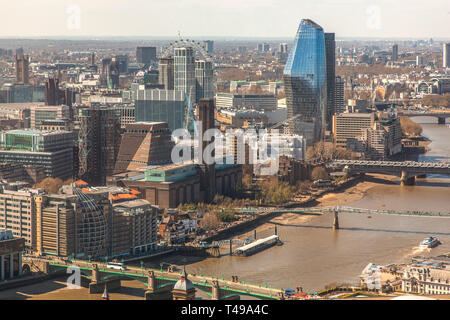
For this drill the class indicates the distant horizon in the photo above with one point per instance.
(204, 38)
(255, 19)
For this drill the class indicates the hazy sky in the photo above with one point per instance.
(230, 18)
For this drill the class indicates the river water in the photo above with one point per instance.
(313, 255)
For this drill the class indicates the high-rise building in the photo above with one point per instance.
(446, 55)
(122, 62)
(209, 46)
(204, 78)
(208, 171)
(98, 143)
(350, 126)
(421, 61)
(330, 52)
(51, 149)
(144, 144)
(339, 101)
(395, 52)
(283, 48)
(305, 79)
(184, 72)
(166, 73)
(146, 55)
(41, 113)
(22, 62)
(54, 96)
(73, 223)
(152, 105)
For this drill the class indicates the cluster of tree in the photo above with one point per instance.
(437, 101)
(274, 192)
(371, 70)
(326, 151)
(210, 221)
(52, 185)
(410, 128)
(233, 74)
(320, 173)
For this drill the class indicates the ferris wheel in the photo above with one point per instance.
(168, 51)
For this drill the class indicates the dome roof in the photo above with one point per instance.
(184, 284)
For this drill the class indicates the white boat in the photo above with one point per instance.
(430, 242)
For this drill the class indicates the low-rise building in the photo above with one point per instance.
(11, 249)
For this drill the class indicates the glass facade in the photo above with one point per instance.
(305, 80)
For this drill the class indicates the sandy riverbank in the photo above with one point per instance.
(340, 198)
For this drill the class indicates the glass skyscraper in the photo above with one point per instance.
(305, 78)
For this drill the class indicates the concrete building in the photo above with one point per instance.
(51, 149)
(446, 55)
(135, 222)
(267, 102)
(209, 46)
(204, 78)
(350, 125)
(41, 113)
(169, 106)
(11, 250)
(146, 55)
(166, 73)
(395, 52)
(22, 72)
(18, 214)
(339, 101)
(144, 144)
(330, 52)
(184, 72)
(98, 143)
(73, 223)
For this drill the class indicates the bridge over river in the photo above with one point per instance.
(440, 115)
(159, 283)
(407, 170)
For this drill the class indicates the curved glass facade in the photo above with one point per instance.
(305, 81)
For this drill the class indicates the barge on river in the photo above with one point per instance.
(257, 246)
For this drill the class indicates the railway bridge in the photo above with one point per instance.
(440, 115)
(407, 170)
(159, 283)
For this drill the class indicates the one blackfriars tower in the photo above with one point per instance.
(305, 78)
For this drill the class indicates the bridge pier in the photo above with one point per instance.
(406, 180)
(97, 285)
(216, 293)
(421, 176)
(336, 220)
(441, 120)
(154, 291)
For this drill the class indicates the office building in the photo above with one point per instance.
(421, 61)
(22, 93)
(146, 55)
(133, 227)
(38, 114)
(330, 52)
(122, 63)
(73, 223)
(98, 143)
(184, 72)
(169, 106)
(51, 149)
(209, 46)
(11, 250)
(166, 73)
(305, 78)
(204, 78)
(339, 101)
(395, 52)
(144, 144)
(22, 72)
(446, 55)
(18, 214)
(350, 125)
(266, 102)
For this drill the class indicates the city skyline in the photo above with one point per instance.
(268, 18)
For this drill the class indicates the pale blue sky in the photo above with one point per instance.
(230, 18)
